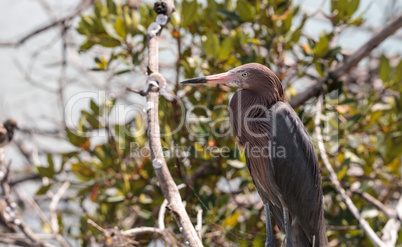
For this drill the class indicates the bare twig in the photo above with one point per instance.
(391, 229)
(121, 238)
(162, 210)
(133, 90)
(390, 212)
(162, 172)
(349, 62)
(38, 210)
(12, 212)
(142, 230)
(161, 216)
(29, 177)
(92, 223)
(54, 203)
(53, 213)
(198, 227)
(342, 228)
(84, 4)
(332, 176)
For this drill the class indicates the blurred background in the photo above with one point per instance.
(65, 66)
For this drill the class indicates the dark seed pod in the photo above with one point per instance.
(160, 8)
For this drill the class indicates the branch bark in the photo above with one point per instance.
(334, 179)
(162, 172)
(85, 4)
(348, 63)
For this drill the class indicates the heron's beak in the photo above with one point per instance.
(222, 78)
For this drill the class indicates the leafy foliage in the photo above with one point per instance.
(116, 176)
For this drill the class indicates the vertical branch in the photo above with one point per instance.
(166, 183)
(334, 179)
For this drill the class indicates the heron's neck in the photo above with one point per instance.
(248, 111)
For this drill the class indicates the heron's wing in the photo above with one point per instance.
(296, 168)
(276, 210)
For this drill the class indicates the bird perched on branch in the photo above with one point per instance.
(7, 131)
(279, 153)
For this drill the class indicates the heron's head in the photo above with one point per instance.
(252, 76)
(10, 124)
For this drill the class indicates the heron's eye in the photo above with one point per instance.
(245, 74)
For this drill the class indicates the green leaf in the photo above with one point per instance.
(343, 168)
(76, 140)
(110, 29)
(92, 120)
(211, 45)
(189, 11)
(94, 107)
(111, 6)
(65, 157)
(105, 40)
(226, 48)
(320, 68)
(123, 71)
(45, 171)
(86, 46)
(245, 10)
(384, 69)
(322, 47)
(42, 190)
(398, 73)
(120, 27)
(50, 162)
(352, 6)
(101, 11)
(333, 52)
(83, 171)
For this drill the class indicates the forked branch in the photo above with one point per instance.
(166, 183)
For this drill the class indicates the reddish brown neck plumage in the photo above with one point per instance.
(249, 117)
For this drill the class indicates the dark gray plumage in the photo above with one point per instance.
(279, 153)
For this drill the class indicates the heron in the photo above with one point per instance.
(7, 131)
(279, 154)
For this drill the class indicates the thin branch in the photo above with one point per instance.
(390, 212)
(133, 90)
(13, 215)
(334, 179)
(162, 210)
(91, 222)
(142, 230)
(342, 228)
(161, 215)
(162, 172)
(84, 4)
(198, 227)
(53, 214)
(349, 62)
(38, 210)
(29, 177)
(391, 229)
